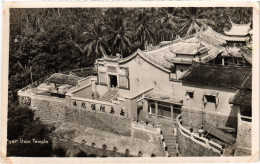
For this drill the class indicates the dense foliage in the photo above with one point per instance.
(22, 126)
(47, 40)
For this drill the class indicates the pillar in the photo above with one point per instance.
(156, 108)
(146, 107)
(223, 62)
(172, 113)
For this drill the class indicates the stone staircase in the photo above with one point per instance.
(170, 140)
(109, 95)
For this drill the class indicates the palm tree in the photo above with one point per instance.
(143, 28)
(120, 36)
(168, 22)
(26, 70)
(96, 40)
(192, 20)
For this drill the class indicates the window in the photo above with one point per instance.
(101, 65)
(189, 95)
(211, 99)
(123, 81)
(102, 78)
(164, 110)
(152, 108)
(246, 111)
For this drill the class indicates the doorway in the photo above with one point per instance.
(113, 81)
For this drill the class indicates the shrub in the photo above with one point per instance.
(59, 152)
(81, 154)
(140, 153)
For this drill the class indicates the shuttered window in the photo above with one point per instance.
(102, 78)
(123, 81)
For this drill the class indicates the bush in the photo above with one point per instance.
(22, 125)
(81, 154)
(59, 152)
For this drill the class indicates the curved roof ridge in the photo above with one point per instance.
(138, 51)
(210, 29)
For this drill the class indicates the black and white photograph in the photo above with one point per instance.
(117, 82)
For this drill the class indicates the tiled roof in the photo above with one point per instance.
(211, 36)
(235, 52)
(242, 97)
(188, 48)
(248, 83)
(157, 59)
(166, 53)
(247, 54)
(238, 30)
(61, 79)
(164, 98)
(159, 56)
(176, 60)
(216, 75)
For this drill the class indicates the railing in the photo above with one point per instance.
(196, 138)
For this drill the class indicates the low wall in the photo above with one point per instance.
(98, 120)
(191, 144)
(194, 118)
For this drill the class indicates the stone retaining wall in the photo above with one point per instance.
(49, 109)
(194, 118)
(102, 121)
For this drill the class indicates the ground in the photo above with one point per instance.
(79, 133)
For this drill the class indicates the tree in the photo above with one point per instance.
(192, 20)
(168, 23)
(120, 36)
(143, 28)
(22, 125)
(96, 40)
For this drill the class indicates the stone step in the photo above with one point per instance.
(172, 152)
(171, 147)
(170, 144)
(108, 95)
(169, 137)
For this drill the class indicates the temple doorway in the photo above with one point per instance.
(113, 81)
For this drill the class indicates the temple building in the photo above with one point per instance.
(238, 35)
(196, 77)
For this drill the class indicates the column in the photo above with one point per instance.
(172, 113)
(156, 108)
(146, 107)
